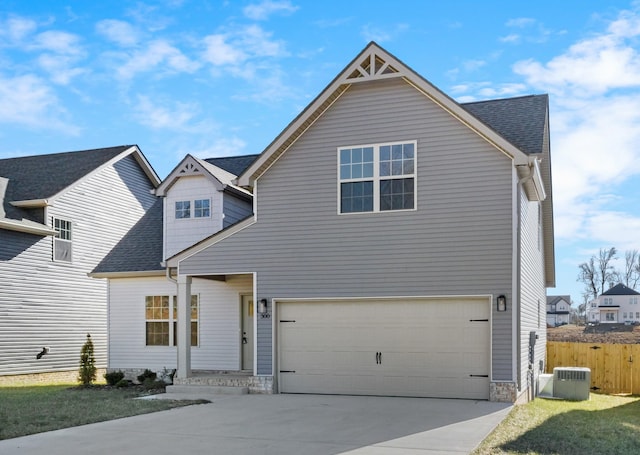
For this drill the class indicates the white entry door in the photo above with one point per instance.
(404, 347)
(247, 332)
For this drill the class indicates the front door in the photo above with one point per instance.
(247, 332)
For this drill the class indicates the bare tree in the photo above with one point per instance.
(598, 272)
(631, 273)
(588, 276)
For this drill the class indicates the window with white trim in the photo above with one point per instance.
(202, 208)
(62, 241)
(161, 322)
(183, 210)
(377, 178)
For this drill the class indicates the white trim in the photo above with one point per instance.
(133, 274)
(26, 226)
(515, 223)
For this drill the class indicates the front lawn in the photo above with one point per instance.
(602, 425)
(35, 409)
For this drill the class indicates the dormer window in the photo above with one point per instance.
(201, 209)
(183, 209)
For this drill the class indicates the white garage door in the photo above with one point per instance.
(414, 347)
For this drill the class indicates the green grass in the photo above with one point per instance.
(601, 426)
(35, 409)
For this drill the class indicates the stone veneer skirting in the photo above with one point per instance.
(55, 377)
(504, 392)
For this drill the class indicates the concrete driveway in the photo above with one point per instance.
(281, 425)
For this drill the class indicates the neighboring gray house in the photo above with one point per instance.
(558, 310)
(400, 245)
(60, 214)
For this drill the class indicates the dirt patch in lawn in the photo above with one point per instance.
(602, 333)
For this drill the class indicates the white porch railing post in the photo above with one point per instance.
(184, 327)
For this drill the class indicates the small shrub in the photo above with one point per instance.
(147, 374)
(122, 383)
(152, 384)
(114, 377)
(87, 373)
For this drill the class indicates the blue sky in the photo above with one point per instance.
(215, 78)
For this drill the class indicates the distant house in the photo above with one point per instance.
(400, 244)
(558, 310)
(618, 304)
(60, 214)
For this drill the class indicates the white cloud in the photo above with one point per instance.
(15, 29)
(158, 55)
(240, 45)
(27, 100)
(218, 52)
(57, 42)
(119, 32)
(60, 68)
(221, 146)
(179, 117)
(262, 11)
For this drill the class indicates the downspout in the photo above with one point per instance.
(168, 276)
(521, 182)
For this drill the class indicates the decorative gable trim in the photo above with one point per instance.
(370, 66)
(188, 167)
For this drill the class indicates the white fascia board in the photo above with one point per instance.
(26, 226)
(140, 274)
(31, 203)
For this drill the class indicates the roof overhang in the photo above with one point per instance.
(138, 274)
(26, 226)
(31, 204)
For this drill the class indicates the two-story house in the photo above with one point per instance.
(400, 244)
(617, 305)
(196, 200)
(60, 214)
(558, 310)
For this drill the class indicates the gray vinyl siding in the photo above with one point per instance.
(55, 304)
(234, 209)
(532, 290)
(457, 242)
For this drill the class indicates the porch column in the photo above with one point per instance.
(184, 327)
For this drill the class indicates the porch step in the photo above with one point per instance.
(198, 391)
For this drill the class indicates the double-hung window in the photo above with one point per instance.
(162, 320)
(377, 178)
(62, 240)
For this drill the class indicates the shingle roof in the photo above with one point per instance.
(520, 120)
(620, 289)
(140, 249)
(553, 299)
(43, 176)
(234, 164)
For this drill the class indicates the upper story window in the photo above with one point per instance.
(633, 300)
(608, 300)
(183, 209)
(201, 209)
(376, 178)
(62, 240)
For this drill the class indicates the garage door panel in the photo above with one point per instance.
(428, 347)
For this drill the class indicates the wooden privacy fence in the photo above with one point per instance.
(615, 368)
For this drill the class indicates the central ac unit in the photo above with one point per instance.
(571, 383)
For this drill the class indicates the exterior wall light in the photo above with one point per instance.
(262, 306)
(501, 303)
